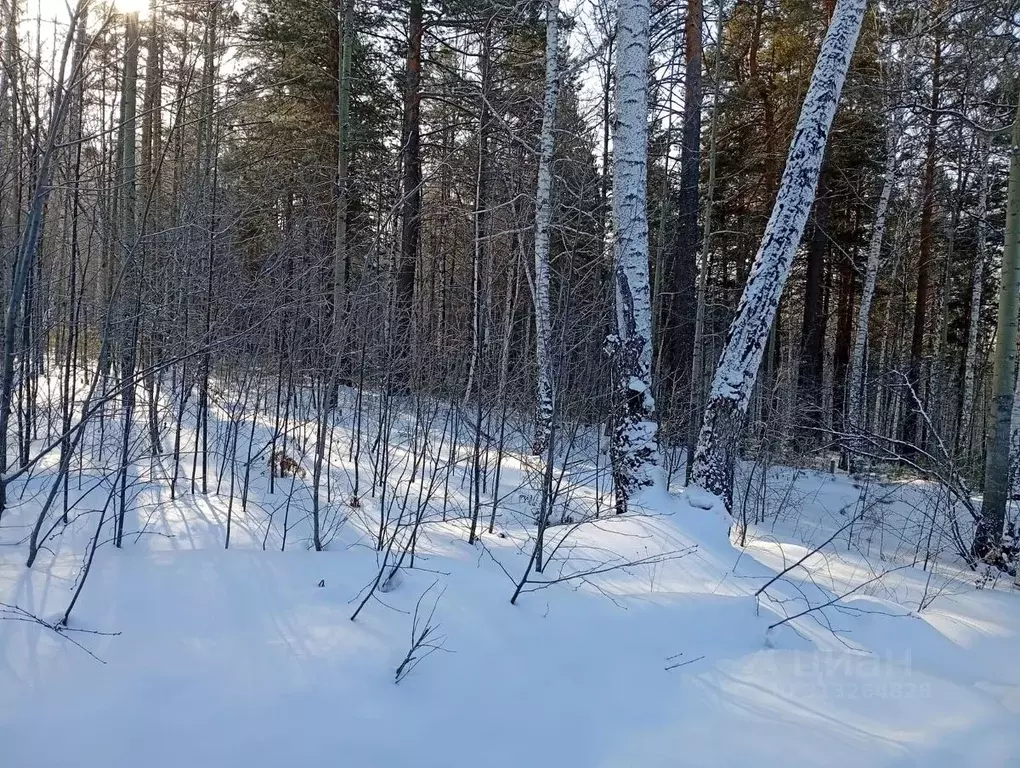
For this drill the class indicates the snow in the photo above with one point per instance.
(238, 657)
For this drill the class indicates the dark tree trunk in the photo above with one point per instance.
(844, 339)
(812, 335)
(410, 227)
(678, 325)
(912, 422)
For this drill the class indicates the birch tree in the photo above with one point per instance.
(745, 343)
(857, 374)
(988, 536)
(635, 450)
(543, 225)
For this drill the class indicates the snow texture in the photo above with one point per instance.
(247, 657)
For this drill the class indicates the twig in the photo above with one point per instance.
(17, 613)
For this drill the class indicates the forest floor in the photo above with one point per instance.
(647, 641)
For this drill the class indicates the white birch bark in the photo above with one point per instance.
(988, 536)
(543, 226)
(857, 374)
(635, 449)
(745, 344)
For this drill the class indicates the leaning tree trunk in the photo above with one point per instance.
(543, 225)
(635, 450)
(988, 536)
(745, 343)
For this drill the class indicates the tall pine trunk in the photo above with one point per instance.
(131, 278)
(912, 425)
(410, 222)
(679, 302)
(811, 368)
(340, 257)
(697, 389)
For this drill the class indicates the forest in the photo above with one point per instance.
(688, 327)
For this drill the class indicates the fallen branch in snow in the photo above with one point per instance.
(837, 598)
(10, 612)
(597, 571)
(682, 663)
(817, 550)
(425, 639)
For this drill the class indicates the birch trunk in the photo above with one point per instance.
(857, 376)
(635, 450)
(858, 372)
(543, 225)
(988, 536)
(745, 343)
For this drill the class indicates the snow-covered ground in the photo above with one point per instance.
(248, 656)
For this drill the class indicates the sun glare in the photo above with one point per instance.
(141, 7)
(60, 9)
